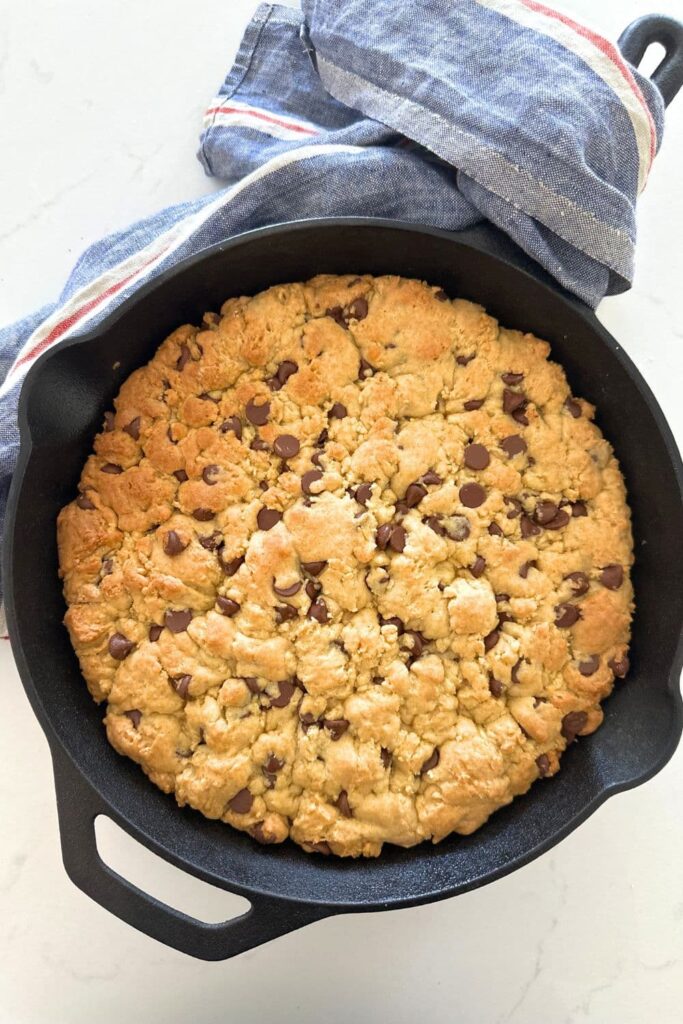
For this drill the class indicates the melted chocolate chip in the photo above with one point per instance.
(363, 493)
(323, 848)
(579, 509)
(107, 567)
(133, 428)
(386, 757)
(567, 616)
(495, 687)
(441, 295)
(472, 404)
(365, 369)
(336, 727)
(209, 473)
(258, 413)
(545, 512)
(358, 310)
(579, 583)
(414, 494)
(256, 832)
(397, 540)
(513, 445)
(108, 424)
(180, 475)
(591, 666)
(231, 567)
(430, 477)
(273, 765)
(313, 588)
(178, 621)
(476, 456)
(228, 606)
(313, 568)
(338, 411)
(573, 407)
(241, 802)
(464, 360)
(212, 541)
(286, 446)
(383, 534)
(472, 495)
(232, 424)
(457, 527)
(285, 370)
(84, 502)
(173, 544)
(259, 445)
(431, 762)
(134, 716)
(183, 358)
(478, 566)
(286, 693)
(543, 765)
(155, 632)
(434, 523)
(620, 666)
(203, 515)
(181, 685)
(512, 401)
(251, 684)
(558, 522)
(516, 507)
(120, 646)
(525, 566)
(495, 530)
(417, 642)
(512, 378)
(307, 720)
(289, 591)
(285, 613)
(393, 621)
(318, 610)
(309, 478)
(342, 802)
(612, 576)
(515, 670)
(111, 467)
(529, 527)
(337, 314)
(572, 724)
(491, 639)
(267, 518)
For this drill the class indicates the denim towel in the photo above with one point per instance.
(442, 112)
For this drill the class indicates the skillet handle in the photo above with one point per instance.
(78, 805)
(657, 28)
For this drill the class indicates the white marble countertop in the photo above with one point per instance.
(101, 106)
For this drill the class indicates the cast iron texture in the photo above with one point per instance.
(61, 408)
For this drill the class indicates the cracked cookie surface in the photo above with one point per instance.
(348, 564)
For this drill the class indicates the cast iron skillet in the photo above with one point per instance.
(61, 408)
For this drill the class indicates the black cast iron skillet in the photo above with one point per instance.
(61, 408)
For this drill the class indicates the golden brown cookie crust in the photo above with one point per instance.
(349, 564)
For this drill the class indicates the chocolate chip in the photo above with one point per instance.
(208, 474)
(478, 566)
(120, 646)
(241, 802)
(111, 467)
(512, 378)
(495, 687)
(342, 802)
(314, 568)
(337, 314)
(515, 670)
(590, 667)
(512, 400)
(183, 358)
(133, 428)
(573, 407)
(457, 527)
(386, 757)
(256, 832)
(155, 632)
(323, 438)
(472, 404)
(415, 492)
(323, 848)
(417, 642)
(258, 414)
(545, 512)
(496, 531)
(173, 544)
(358, 310)
(402, 508)
(579, 509)
(464, 360)
(285, 613)
(525, 566)
(430, 477)
(383, 534)
(181, 685)
(519, 416)
(228, 606)
(178, 621)
(513, 445)
(234, 424)
(180, 475)
(434, 523)
(365, 369)
(558, 522)
(318, 611)
(203, 515)
(441, 295)
(169, 435)
(231, 567)
(307, 720)
(476, 456)
(273, 765)
(491, 639)
(212, 541)
(543, 765)
(259, 445)
(134, 716)
(107, 567)
(567, 615)
(579, 583)
(502, 598)
(285, 370)
(309, 478)
(472, 495)
(363, 493)
(431, 762)
(516, 507)
(84, 502)
(572, 724)
(397, 540)
(267, 518)
(251, 684)
(620, 666)
(393, 621)
(529, 527)
(338, 411)
(108, 425)
(612, 576)
(287, 688)
(336, 727)
(206, 397)
(286, 446)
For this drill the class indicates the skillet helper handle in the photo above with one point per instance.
(78, 806)
(657, 28)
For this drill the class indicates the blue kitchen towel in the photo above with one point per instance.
(442, 112)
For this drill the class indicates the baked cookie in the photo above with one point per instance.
(349, 564)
